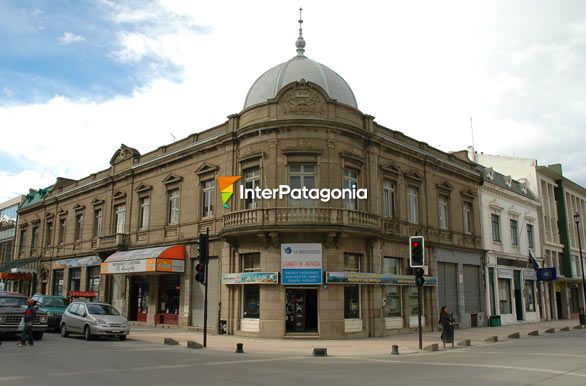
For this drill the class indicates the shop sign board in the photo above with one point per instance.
(301, 264)
(251, 278)
(505, 273)
(143, 265)
(530, 274)
(375, 278)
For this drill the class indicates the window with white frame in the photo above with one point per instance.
(144, 214)
(389, 198)
(443, 211)
(208, 197)
(496, 227)
(302, 175)
(514, 232)
(251, 181)
(62, 224)
(78, 226)
(98, 223)
(173, 207)
(413, 205)
(350, 182)
(530, 236)
(467, 208)
(120, 218)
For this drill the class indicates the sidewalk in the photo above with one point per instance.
(408, 344)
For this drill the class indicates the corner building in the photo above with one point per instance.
(301, 127)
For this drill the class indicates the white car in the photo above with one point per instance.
(93, 319)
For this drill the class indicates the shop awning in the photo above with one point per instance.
(170, 259)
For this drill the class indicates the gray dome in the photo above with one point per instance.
(299, 67)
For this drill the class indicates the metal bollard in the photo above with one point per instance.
(239, 348)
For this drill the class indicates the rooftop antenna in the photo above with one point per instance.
(300, 44)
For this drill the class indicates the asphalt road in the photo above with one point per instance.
(558, 359)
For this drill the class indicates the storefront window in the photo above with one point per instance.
(251, 292)
(169, 294)
(414, 301)
(93, 279)
(391, 301)
(75, 279)
(251, 301)
(529, 296)
(352, 302)
(58, 282)
(505, 296)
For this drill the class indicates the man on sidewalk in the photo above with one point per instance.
(29, 319)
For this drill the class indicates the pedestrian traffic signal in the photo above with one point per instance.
(416, 251)
(202, 249)
(200, 273)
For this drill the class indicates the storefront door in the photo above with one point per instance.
(301, 310)
(518, 296)
(139, 293)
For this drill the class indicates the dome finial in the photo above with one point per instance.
(300, 42)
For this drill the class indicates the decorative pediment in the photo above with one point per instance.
(123, 154)
(354, 155)
(96, 202)
(495, 206)
(414, 176)
(78, 208)
(172, 179)
(143, 188)
(444, 187)
(62, 213)
(36, 220)
(49, 215)
(391, 168)
(469, 193)
(206, 168)
(514, 211)
(119, 195)
(302, 98)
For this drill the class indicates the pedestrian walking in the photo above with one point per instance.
(447, 324)
(30, 314)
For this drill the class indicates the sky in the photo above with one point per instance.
(79, 78)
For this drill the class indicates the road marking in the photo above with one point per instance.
(478, 365)
(147, 368)
(525, 353)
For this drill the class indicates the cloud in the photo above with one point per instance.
(69, 38)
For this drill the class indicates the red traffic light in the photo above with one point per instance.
(416, 251)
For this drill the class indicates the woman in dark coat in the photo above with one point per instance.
(445, 321)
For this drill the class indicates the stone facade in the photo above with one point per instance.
(301, 126)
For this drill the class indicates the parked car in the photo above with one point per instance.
(12, 306)
(93, 319)
(54, 306)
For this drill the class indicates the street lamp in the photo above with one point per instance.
(577, 221)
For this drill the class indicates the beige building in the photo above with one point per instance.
(335, 267)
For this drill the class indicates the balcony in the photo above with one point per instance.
(277, 217)
(115, 242)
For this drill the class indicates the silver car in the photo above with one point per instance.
(93, 319)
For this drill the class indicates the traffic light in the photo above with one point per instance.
(203, 252)
(200, 273)
(419, 279)
(416, 252)
(203, 255)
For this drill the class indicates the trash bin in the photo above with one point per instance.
(494, 320)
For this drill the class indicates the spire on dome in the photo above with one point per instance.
(300, 44)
